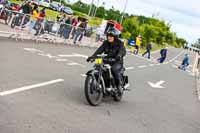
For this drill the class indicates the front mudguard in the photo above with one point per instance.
(94, 73)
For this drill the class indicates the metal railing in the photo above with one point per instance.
(44, 29)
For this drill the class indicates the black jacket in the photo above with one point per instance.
(149, 46)
(163, 52)
(27, 9)
(116, 50)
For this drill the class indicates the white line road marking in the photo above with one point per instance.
(48, 55)
(152, 65)
(75, 64)
(174, 66)
(149, 60)
(173, 59)
(74, 55)
(30, 87)
(157, 51)
(142, 66)
(177, 67)
(68, 55)
(165, 63)
(33, 50)
(188, 71)
(177, 61)
(72, 64)
(129, 68)
(80, 55)
(61, 60)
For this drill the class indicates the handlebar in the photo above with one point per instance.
(103, 56)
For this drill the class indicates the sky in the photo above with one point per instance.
(184, 15)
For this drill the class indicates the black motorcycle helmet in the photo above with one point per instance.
(113, 32)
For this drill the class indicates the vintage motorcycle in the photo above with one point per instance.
(100, 82)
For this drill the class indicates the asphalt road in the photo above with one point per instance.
(61, 107)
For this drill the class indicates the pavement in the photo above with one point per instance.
(42, 90)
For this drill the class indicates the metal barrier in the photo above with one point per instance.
(47, 30)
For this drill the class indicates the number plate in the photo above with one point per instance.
(98, 61)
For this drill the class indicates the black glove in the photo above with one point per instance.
(89, 58)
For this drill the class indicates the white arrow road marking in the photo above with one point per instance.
(156, 85)
(30, 87)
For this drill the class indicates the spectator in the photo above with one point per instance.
(74, 23)
(163, 53)
(148, 50)
(35, 14)
(84, 30)
(62, 25)
(40, 19)
(185, 63)
(98, 35)
(79, 31)
(27, 9)
(4, 2)
(60, 17)
(137, 45)
(68, 27)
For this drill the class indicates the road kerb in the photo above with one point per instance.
(197, 78)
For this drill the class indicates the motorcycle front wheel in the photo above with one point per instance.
(93, 93)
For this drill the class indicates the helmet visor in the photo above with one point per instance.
(110, 34)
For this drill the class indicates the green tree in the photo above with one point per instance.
(101, 12)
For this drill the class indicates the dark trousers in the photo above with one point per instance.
(77, 35)
(66, 33)
(162, 59)
(62, 28)
(136, 51)
(147, 52)
(81, 37)
(116, 71)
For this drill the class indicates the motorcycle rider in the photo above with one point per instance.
(115, 49)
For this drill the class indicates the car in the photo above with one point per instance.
(55, 6)
(35, 2)
(44, 3)
(67, 10)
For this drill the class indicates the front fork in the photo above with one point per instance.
(112, 81)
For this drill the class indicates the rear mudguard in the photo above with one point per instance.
(93, 73)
